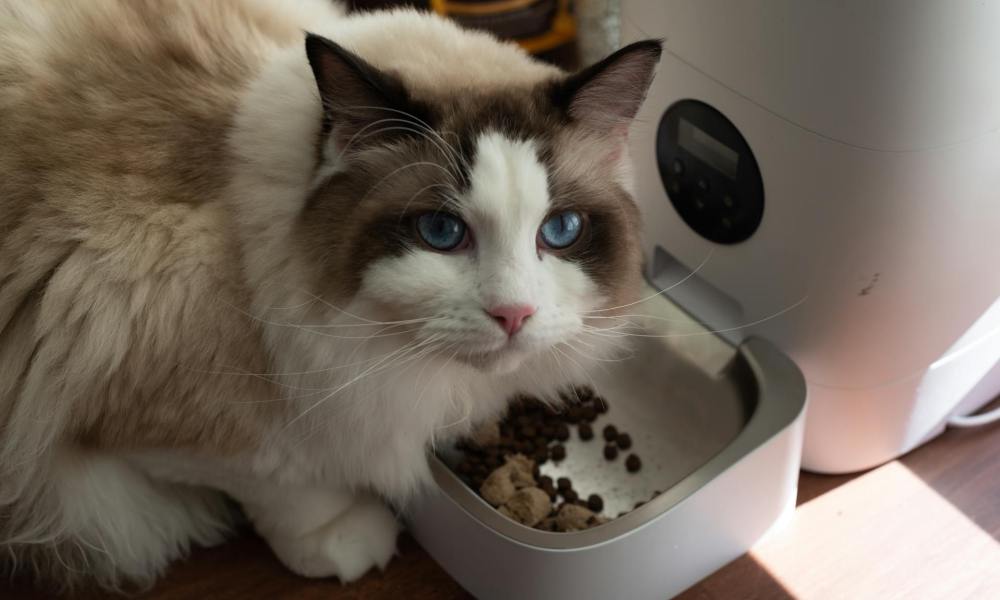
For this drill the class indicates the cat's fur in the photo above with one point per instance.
(209, 278)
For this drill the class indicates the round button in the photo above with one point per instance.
(728, 201)
(677, 166)
(699, 203)
(703, 185)
(727, 223)
(674, 186)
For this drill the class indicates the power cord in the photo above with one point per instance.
(975, 420)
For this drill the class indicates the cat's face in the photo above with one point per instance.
(496, 223)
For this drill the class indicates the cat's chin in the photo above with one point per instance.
(498, 362)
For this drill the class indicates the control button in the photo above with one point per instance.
(708, 173)
(677, 166)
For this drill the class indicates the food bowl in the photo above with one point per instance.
(719, 430)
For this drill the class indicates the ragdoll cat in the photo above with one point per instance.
(240, 259)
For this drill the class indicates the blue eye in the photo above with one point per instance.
(561, 230)
(441, 231)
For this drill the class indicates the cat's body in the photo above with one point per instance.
(210, 282)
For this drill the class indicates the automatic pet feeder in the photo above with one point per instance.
(818, 180)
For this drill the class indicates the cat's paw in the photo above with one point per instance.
(362, 537)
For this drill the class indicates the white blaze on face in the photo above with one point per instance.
(508, 199)
(506, 203)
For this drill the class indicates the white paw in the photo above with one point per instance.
(362, 537)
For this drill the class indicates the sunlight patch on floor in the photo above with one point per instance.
(830, 544)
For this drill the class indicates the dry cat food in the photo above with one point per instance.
(501, 462)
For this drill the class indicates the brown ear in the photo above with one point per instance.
(610, 92)
(355, 94)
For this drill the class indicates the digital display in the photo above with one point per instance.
(718, 155)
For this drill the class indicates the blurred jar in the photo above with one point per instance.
(541, 27)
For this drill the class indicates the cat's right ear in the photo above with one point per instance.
(356, 95)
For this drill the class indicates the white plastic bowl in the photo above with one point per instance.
(719, 431)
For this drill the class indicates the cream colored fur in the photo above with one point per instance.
(161, 337)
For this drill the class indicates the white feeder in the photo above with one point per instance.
(831, 172)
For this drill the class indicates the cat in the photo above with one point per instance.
(240, 260)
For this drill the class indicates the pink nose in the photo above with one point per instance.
(511, 316)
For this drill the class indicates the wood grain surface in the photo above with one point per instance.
(926, 526)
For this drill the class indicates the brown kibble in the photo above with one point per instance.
(595, 503)
(610, 452)
(528, 506)
(550, 490)
(588, 414)
(610, 433)
(600, 405)
(586, 432)
(486, 435)
(558, 452)
(632, 463)
(528, 431)
(562, 432)
(570, 495)
(564, 483)
(624, 441)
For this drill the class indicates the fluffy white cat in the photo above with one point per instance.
(239, 259)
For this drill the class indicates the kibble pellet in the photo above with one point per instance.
(610, 452)
(632, 463)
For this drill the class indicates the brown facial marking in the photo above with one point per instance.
(367, 212)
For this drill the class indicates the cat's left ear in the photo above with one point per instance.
(607, 95)
(355, 94)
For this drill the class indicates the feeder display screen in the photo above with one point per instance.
(716, 154)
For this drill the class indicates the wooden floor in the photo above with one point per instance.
(926, 526)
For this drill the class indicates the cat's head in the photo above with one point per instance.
(501, 214)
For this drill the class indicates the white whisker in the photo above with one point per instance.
(708, 256)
